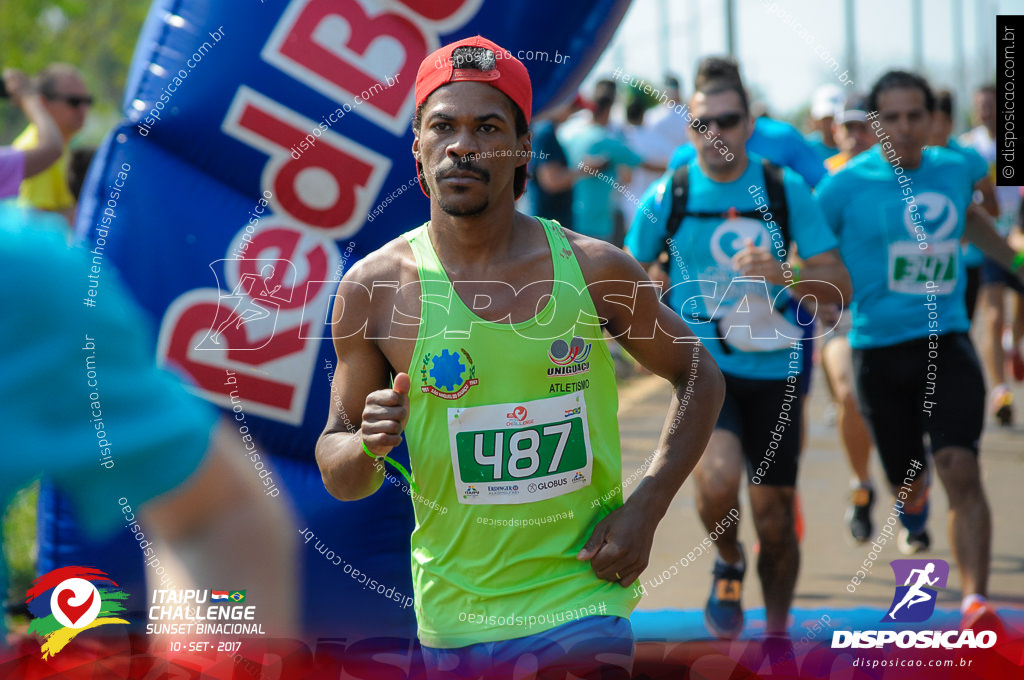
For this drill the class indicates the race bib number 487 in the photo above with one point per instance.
(520, 452)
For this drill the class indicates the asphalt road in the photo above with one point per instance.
(829, 559)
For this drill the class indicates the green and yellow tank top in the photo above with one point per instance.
(513, 440)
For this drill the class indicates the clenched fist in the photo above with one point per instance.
(385, 415)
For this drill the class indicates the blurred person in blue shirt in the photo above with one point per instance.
(71, 373)
(596, 196)
(551, 180)
(984, 193)
(996, 281)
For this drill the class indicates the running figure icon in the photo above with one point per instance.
(915, 595)
(248, 308)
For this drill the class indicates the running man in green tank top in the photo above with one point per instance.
(478, 337)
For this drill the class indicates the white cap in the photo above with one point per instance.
(825, 101)
(853, 110)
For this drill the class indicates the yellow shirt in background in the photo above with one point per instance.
(834, 163)
(49, 189)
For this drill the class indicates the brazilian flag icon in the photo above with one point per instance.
(237, 596)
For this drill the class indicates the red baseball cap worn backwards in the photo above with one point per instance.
(507, 73)
(492, 64)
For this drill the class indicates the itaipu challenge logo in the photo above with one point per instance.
(69, 600)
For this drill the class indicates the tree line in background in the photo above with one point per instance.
(97, 36)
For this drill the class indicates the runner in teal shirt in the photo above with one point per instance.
(730, 262)
(594, 196)
(866, 206)
(899, 211)
(83, 400)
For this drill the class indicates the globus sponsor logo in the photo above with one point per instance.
(918, 639)
(541, 486)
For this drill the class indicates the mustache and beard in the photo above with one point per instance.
(450, 204)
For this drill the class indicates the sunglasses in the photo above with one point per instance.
(726, 121)
(74, 101)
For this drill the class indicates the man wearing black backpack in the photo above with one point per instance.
(726, 221)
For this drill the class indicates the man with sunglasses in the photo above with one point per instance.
(728, 264)
(17, 164)
(775, 140)
(67, 99)
(488, 359)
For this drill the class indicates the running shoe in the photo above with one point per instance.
(982, 616)
(723, 614)
(858, 515)
(911, 544)
(1002, 405)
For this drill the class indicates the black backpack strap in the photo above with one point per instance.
(775, 190)
(678, 194)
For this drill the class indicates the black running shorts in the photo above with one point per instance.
(920, 387)
(765, 415)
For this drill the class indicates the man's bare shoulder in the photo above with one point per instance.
(394, 261)
(373, 289)
(602, 261)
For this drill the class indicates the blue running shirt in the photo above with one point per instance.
(704, 283)
(85, 403)
(594, 197)
(897, 239)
